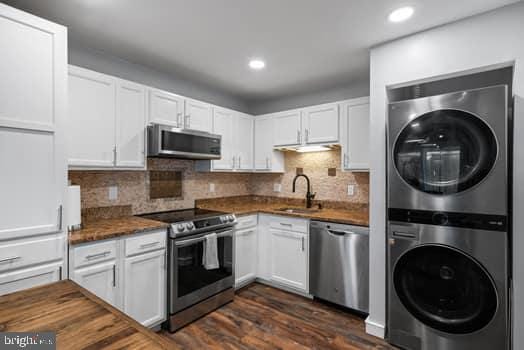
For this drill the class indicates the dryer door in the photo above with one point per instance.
(445, 289)
(445, 151)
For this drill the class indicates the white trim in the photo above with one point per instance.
(374, 328)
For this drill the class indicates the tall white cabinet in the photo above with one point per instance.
(33, 100)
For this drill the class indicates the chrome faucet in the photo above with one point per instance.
(309, 195)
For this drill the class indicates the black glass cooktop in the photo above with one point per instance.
(182, 215)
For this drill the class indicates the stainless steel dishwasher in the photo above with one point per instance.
(339, 264)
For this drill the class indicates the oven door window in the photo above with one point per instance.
(445, 152)
(192, 275)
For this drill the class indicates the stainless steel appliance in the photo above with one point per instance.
(339, 264)
(448, 285)
(194, 290)
(449, 152)
(448, 276)
(171, 142)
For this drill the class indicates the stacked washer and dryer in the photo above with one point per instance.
(448, 223)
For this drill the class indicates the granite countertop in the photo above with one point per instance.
(110, 228)
(80, 319)
(356, 216)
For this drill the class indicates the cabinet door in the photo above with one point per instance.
(91, 119)
(100, 280)
(244, 142)
(223, 125)
(33, 109)
(246, 247)
(287, 128)
(130, 124)
(263, 143)
(145, 287)
(289, 259)
(264, 248)
(198, 116)
(166, 108)
(356, 146)
(14, 281)
(321, 124)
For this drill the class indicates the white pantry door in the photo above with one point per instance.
(33, 98)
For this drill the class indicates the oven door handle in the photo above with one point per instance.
(190, 241)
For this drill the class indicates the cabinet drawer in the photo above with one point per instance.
(145, 243)
(289, 224)
(246, 221)
(14, 281)
(94, 253)
(22, 253)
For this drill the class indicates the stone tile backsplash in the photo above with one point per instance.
(133, 187)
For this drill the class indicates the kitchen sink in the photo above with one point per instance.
(298, 210)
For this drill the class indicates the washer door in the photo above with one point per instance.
(445, 289)
(445, 151)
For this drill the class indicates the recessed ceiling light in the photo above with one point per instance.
(257, 64)
(401, 14)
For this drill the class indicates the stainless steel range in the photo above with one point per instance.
(193, 289)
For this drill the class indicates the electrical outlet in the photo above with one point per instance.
(351, 190)
(113, 193)
(277, 187)
(211, 187)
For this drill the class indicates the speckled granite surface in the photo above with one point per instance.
(339, 212)
(96, 230)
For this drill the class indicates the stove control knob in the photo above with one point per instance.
(230, 218)
(190, 226)
(223, 219)
(180, 227)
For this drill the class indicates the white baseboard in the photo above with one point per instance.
(374, 328)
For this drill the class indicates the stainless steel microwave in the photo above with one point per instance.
(169, 142)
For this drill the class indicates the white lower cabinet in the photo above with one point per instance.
(101, 280)
(283, 252)
(145, 287)
(289, 259)
(246, 247)
(31, 261)
(129, 273)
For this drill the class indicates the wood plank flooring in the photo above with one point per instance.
(262, 317)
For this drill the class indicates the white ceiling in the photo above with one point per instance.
(308, 44)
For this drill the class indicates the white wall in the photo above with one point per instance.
(104, 63)
(490, 39)
(338, 93)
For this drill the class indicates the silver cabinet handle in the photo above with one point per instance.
(303, 243)
(285, 224)
(228, 233)
(60, 217)
(267, 163)
(178, 122)
(345, 160)
(60, 272)
(233, 160)
(148, 245)
(187, 121)
(98, 256)
(114, 155)
(114, 275)
(307, 135)
(239, 162)
(298, 136)
(11, 258)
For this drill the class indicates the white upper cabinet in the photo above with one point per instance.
(106, 122)
(321, 124)
(91, 118)
(355, 134)
(33, 102)
(223, 122)
(244, 141)
(265, 157)
(130, 124)
(198, 115)
(166, 108)
(287, 128)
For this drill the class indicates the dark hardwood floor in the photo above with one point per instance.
(263, 317)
